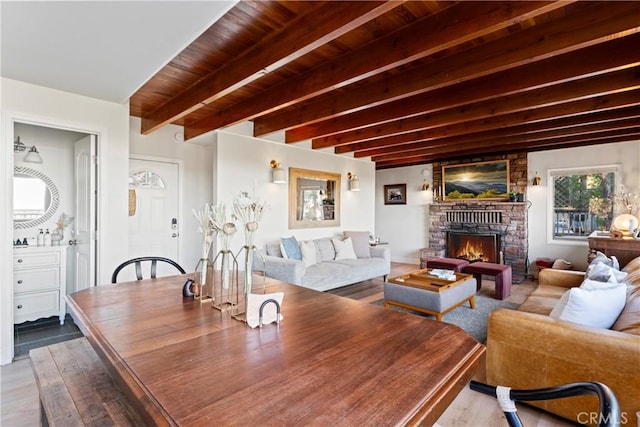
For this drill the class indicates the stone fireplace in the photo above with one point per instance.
(500, 228)
(506, 222)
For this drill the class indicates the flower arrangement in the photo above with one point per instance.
(249, 212)
(206, 227)
(58, 234)
(626, 202)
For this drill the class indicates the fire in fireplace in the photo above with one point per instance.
(473, 246)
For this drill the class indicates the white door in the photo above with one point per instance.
(154, 222)
(85, 213)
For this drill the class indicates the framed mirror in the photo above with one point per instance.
(35, 197)
(314, 199)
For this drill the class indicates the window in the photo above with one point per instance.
(145, 179)
(582, 201)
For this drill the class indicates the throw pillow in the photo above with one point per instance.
(597, 305)
(326, 251)
(603, 273)
(611, 262)
(273, 249)
(344, 249)
(290, 248)
(360, 240)
(308, 249)
(629, 319)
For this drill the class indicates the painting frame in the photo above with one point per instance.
(395, 194)
(488, 180)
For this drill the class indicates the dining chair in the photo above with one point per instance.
(138, 265)
(609, 410)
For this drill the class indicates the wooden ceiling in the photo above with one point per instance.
(413, 82)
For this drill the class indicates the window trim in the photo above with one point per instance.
(616, 168)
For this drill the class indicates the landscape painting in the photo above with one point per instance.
(482, 180)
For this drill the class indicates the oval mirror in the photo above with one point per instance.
(35, 197)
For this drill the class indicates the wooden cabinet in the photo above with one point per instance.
(625, 249)
(39, 283)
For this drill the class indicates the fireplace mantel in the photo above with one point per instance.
(509, 219)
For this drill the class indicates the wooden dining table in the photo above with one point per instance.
(332, 361)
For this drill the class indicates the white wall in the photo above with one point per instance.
(197, 174)
(242, 164)
(29, 103)
(405, 227)
(626, 154)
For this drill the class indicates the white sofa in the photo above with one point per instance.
(327, 273)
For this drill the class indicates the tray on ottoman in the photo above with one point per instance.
(423, 292)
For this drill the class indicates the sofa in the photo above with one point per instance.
(532, 347)
(325, 263)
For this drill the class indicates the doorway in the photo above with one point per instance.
(154, 200)
(72, 213)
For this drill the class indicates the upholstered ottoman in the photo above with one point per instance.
(501, 272)
(430, 302)
(454, 264)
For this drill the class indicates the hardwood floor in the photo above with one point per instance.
(19, 396)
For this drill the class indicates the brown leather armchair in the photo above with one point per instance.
(528, 349)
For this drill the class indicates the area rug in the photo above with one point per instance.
(473, 322)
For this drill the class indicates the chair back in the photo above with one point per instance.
(138, 265)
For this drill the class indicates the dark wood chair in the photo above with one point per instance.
(609, 410)
(138, 265)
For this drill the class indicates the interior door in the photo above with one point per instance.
(85, 213)
(154, 222)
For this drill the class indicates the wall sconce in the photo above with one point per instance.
(536, 180)
(425, 184)
(354, 182)
(279, 175)
(32, 156)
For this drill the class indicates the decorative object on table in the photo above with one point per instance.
(481, 180)
(248, 211)
(395, 194)
(226, 290)
(626, 206)
(58, 234)
(264, 309)
(203, 277)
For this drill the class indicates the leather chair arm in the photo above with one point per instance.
(563, 278)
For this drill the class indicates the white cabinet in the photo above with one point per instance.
(39, 282)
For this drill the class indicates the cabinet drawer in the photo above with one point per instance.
(28, 260)
(35, 305)
(36, 279)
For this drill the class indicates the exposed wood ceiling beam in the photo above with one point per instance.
(593, 23)
(514, 148)
(322, 24)
(582, 63)
(404, 83)
(576, 132)
(404, 129)
(605, 119)
(452, 26)
(583, 106)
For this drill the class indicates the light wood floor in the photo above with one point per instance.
(19, 396)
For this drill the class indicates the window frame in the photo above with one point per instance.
(615, 168)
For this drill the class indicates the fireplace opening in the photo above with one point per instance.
(474, 247)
